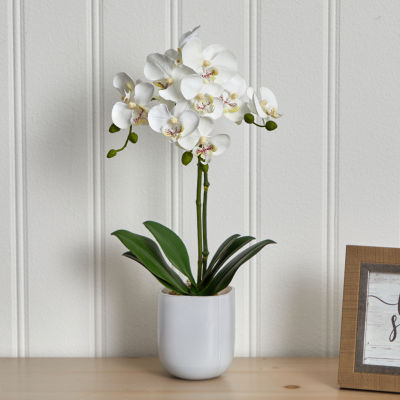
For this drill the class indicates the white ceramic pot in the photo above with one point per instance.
(196, 334)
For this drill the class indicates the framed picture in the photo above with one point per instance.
(370, 339)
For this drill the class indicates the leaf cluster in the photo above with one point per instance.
(218, 274)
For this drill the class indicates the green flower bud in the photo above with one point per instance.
(248, 118)
(113, 128)
(112, 153)
(133, 137)
(187, 157)
(271, 125)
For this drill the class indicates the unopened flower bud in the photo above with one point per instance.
(187, 157)
(133, 137)
(271, 125)
(112, 153)
(248, 118)
(113, 128)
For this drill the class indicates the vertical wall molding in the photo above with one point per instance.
(253, 146)
(174, 26)
(96, 172)
(19, 181)
(331, 219)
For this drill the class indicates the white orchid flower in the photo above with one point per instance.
(166, 73)
(177, 125)
(132, 110)
(231, 98)
(204, 98)
(208, 145)
(214, 63)
(266, 107)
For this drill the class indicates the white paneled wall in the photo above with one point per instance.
(328, 177)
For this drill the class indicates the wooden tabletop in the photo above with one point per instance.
(144, 378)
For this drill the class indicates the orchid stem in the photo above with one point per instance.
(206, 185)
(199, 227)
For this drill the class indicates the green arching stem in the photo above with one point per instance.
(206, 185)
(125, 144)
(261, 126)
(199, 228)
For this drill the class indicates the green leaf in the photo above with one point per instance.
(232, 247)
(113, 128)
(172, 246)
(130, 255)
(225, 276)
(147, 251)
(224, 245)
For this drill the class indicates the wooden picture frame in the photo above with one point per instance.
(370, 337)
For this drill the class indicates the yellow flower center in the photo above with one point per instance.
(132, 105)
(206, 63)
(173, 120)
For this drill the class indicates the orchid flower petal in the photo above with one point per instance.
(213, 89)
(190, 121)
(189, 142)
(188, 35)
(206, 126)
(258, 107)
(158, 66)
(218, 110)
(143, 93)
(236, 85)
(158, 117)
(268, 95)
(192, 53)
(172, 93)
(180, 107)
(225, 59)
(123, 83)
(121, 115)
(221, 142)
(191, 85)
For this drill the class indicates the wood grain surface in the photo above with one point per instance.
(144, 378)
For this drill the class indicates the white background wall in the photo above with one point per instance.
(329, 177)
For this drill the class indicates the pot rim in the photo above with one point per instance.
(224, 292)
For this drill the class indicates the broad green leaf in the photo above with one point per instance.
(225, 244)
(172, 246)
(233, 246)
(226, 274)
(147, 251)
(129, 254)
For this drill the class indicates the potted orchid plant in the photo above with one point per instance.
(188, 90)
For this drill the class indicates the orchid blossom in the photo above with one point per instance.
(204, 98)
(265, 106)
(177, 126)
(133, 109)
(231, 98)
(209, 145)
(213, 64)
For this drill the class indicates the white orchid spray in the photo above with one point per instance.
(189, 90)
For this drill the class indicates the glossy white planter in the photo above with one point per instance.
(196, 334)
